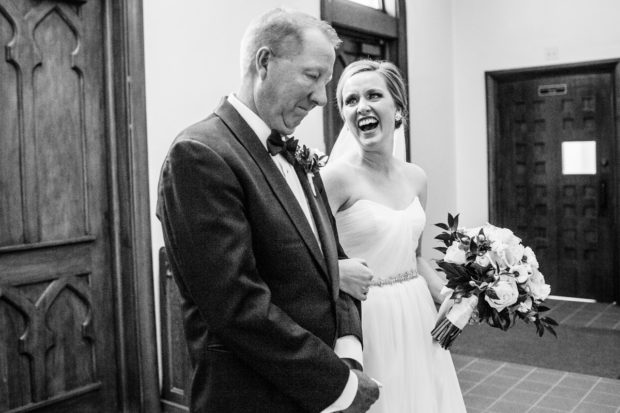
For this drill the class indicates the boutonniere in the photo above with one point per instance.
(310, 159)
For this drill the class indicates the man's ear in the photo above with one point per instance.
(263, 56)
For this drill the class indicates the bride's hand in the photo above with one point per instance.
(355, 277)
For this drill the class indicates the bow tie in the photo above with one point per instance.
(276, 145)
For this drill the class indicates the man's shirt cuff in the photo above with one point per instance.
(349, 347)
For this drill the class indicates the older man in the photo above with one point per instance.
(252, 244)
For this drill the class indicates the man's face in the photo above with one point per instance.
(291, 85)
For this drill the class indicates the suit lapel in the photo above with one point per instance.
(323, 225)
(246, 136)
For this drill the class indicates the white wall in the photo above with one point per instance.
(508, 34)
(429, 26)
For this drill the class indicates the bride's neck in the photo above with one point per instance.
(379, 161)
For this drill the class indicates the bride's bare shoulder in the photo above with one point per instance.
(414, 172)
(338, 171)
(416, 180)
(339, 179)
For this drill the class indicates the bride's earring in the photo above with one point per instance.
(398, 119)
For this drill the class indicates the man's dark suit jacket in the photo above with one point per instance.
(262, 308)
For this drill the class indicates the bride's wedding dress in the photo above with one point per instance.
(397, 318)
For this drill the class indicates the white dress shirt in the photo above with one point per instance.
(347, 346)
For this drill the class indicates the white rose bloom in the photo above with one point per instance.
(506, 290)
(522, 272)
(455, 255)
(506, 236)
(536, 286)
(512, 254)
(530, 257)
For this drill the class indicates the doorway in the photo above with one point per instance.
(553, 171)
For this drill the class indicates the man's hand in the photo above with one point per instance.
(367, 394)
(355, 277)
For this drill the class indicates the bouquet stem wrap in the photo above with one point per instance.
(450, 326)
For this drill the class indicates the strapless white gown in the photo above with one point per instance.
(397, 318)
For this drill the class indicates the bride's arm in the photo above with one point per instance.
(333, 176)
(434, 280)
(355, 276)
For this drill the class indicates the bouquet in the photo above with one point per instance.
(494, 279)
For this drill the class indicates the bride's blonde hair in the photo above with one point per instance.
(393, 79)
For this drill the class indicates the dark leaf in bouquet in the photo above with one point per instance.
(492, 294)
(542, 308)
(484, 309)
(495, 320)
(444, 236)
(549, 321)
(471, 258)
(551, 330)
(504, 315)
(450, 220)
(453, 270)
(539, 328)
(441, 249)
(443, 226)
(482, 271)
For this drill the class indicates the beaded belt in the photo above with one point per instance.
(398, 278)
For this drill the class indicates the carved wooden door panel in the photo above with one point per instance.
(555, 178)
(57, 343)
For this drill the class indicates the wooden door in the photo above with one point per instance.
(554, 177)
(57, 334)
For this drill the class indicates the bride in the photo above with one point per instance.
(378, 201)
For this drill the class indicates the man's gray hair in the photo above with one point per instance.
(274, 28)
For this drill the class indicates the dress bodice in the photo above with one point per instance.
(386, 238)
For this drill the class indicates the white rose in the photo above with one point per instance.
(505, 236)
(455, 255)
(522, 272)
(530, 257)
(536, 286)
(506, 291)
(512, 254)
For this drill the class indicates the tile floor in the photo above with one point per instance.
(590, 315)
(498, 387)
